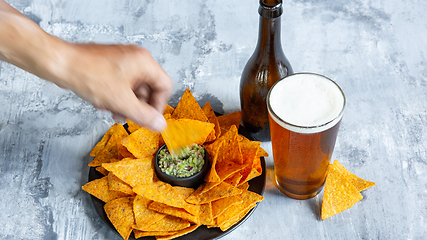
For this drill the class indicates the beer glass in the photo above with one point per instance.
(305, 112)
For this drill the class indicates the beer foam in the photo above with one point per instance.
(306, 103)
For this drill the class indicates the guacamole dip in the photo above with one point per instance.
(189, 161)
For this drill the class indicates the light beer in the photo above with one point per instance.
(305, 112)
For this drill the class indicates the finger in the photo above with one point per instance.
(149, 117)
(118, 117)
(159, 100)
(139, 112)
(159, 95)
(156, 79)
(99, 107)
(143, 92)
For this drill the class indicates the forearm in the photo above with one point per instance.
(24, 44)
(124, 79)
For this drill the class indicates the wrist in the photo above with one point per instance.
(56, 62)
(24, 44)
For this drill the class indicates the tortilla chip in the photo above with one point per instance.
(226, 225)
(262, 153)
(184, 132)
(143, 215)
(244, 186)
(132, 127)
(102, 170)
(249, 153)
(99, 189)
(120, 213)
(253, 174)
(226, 169)
(339, 194)
(167, 116)
(101, 144)
(142, 143)
(221, 191)
(206, 186)
(113, 160)
(174, 211)
(228, 120)
(210, 114)
(228, 135)
(246, 144)
(179, 233)
(133, 171)
(211, 137)
(257, 164)
(249, 201)
(124, 153)
(189, 108)
(166, 194)
(222, 204)
(111, 148)
(168, 109)
(213, 151)
(168, 223)
(205, 216)
(231, 151)
(234, 179)
(212, 148)
(358, 182)
(116, 184)
(139, 234)
(230, 159)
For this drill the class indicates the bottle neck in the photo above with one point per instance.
(269, 27)
(269, 34)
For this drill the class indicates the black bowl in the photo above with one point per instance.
(190, 182)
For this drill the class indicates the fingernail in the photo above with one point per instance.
(159, 124)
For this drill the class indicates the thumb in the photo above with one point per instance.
(142, 113)
(149, 117)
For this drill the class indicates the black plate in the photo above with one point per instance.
(256, 185)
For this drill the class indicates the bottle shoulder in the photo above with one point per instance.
(271, 63)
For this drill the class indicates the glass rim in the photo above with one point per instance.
(308, 128)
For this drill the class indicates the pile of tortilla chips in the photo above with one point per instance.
(342, 190)
(135, 200)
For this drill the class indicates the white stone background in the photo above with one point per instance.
(375, 50)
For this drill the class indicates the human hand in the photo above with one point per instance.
(123, 79)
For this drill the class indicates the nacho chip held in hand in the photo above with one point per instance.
(184, 132)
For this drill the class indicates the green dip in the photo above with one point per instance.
(189, 161)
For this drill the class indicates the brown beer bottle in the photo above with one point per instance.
(267, 65)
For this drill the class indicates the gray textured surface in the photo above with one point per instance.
(376, 50)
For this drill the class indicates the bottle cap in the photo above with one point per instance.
(270, 8)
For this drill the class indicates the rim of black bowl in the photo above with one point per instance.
(156, 164)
